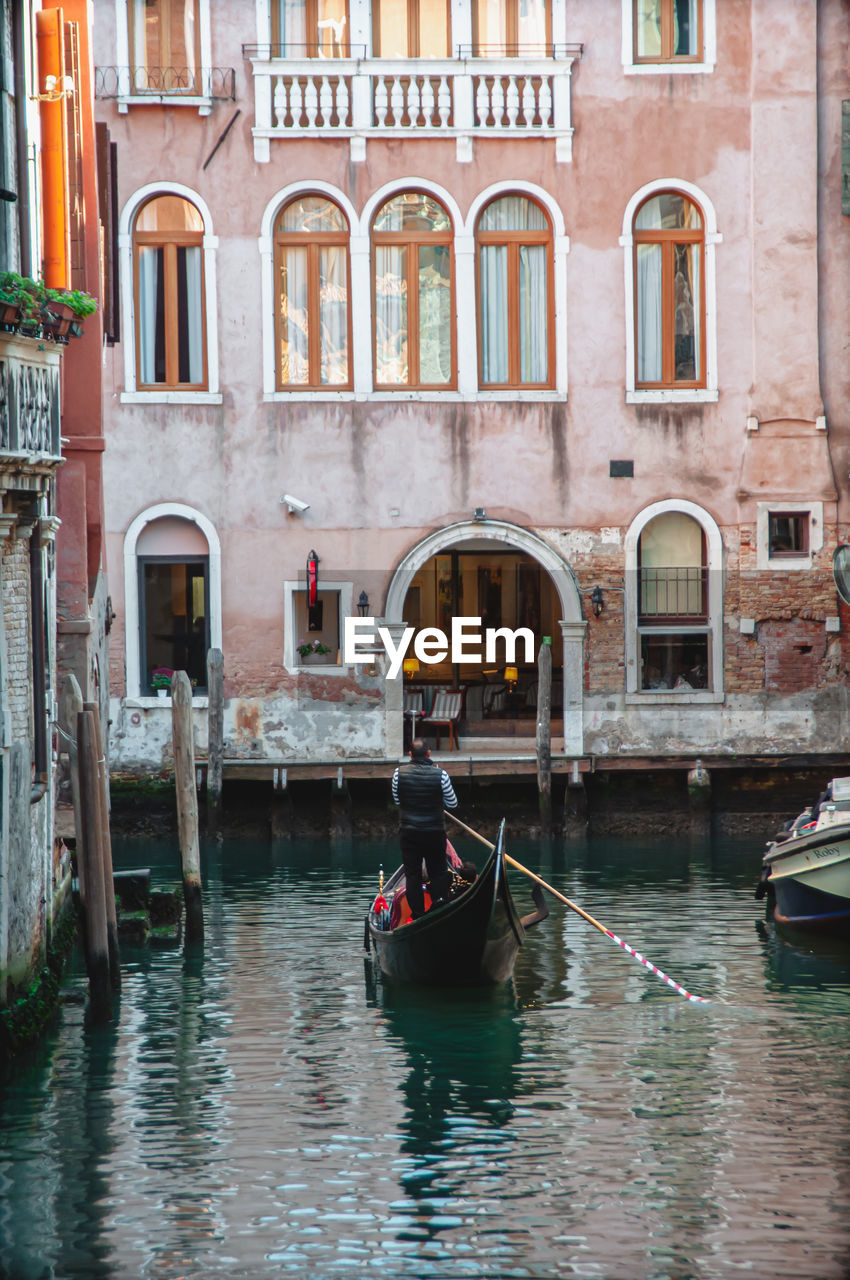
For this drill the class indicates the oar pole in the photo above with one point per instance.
(525, 871)
(647, 964)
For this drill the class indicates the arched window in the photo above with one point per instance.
(669, 292)
(168, 283)
(312, 299)
(413, 294)
(674, 636)
(172, 596)
(515, 294)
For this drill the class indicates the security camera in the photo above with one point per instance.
(295, 504)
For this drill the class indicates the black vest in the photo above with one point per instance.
(420, 793)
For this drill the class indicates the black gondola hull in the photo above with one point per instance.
(471, 941)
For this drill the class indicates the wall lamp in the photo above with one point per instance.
(597, 601)
(54, 90)
(363, 605)
(480, 513)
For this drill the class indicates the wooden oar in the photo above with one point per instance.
(584, 915)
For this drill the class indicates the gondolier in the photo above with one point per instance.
(423, 791)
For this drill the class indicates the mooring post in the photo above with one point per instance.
(544, 734)
(699, 799)
(70, 706)
(94, 902)
(215, 737)
(187, 804)
(106, 849)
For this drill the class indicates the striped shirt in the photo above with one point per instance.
(449, 797)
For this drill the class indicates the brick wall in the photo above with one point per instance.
(15, 580)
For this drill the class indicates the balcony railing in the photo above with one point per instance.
(29, 398)
(194, 85)
(678, 594)
(434, 98)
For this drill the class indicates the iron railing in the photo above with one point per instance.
(673, 593)
(217, 83)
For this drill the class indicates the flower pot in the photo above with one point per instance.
(56, 318)
(317, 659)
(163, 693)
(9, 313)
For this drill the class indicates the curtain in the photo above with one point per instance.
(491, 23)
(533, 314)
(649, 324)
(333, 314)
(292, 26)
(150, 289)
(294, 328)
(648, 28)
(531, 22)
(393, 34)
(494, 313)
(391, 346)
(194, 314)
(435, 348)
(685, 28)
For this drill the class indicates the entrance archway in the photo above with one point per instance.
(477, 533)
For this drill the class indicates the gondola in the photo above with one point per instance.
(472, 940)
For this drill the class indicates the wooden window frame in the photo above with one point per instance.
(138, 60)
(668, 241)
(314, 43)
(412, 241)
(667, 34)
(804, 519)
(313, 241)
(413, 29)
(169, 242)
(515, 240)
(513, 48)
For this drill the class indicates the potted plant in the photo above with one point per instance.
(18, 298)
(161, 681)
(63, 309)
(312, 650)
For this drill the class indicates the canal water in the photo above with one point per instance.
(272, 1108)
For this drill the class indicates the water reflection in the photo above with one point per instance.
(273, 1107)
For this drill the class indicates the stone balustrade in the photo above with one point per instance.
(464, 98)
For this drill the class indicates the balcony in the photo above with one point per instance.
(462, 98)
(30, 447)
(177, 86)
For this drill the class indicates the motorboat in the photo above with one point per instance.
(806, 869)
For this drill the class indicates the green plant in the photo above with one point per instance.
(306, 647)
(161, 677)
(81, 303)
(19, 291)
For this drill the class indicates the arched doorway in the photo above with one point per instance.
(475, 568)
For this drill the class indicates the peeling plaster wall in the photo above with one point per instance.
(382, 474)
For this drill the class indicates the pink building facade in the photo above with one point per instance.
(533, 311)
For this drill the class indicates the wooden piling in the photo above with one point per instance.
(94, 901)
(187, 804)
(544, 735)
(70, 706)
(105, 839)
(215, 737)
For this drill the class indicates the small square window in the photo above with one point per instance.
(788, 534)
(316, 627)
